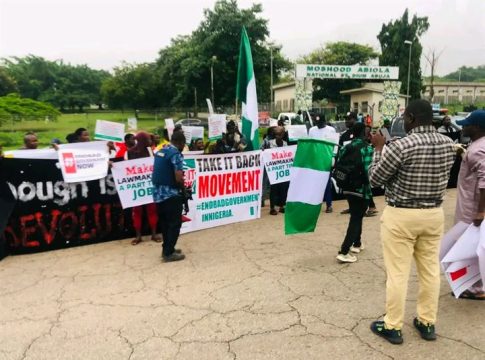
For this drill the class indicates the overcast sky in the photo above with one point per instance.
(103, 33)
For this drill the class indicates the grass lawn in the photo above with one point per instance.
(11, 134)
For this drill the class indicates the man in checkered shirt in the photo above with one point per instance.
(415, 172)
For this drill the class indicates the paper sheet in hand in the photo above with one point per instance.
(481, 252)
(109, 130)
(169, 125)
(461, 262)
(296, 132)
(193, 132)
(217, 126)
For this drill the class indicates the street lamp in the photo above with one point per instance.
(213, 59)
(271, 70)
(410, 43)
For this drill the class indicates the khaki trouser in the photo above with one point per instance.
(408, 233)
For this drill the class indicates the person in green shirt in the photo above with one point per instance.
(357, 196)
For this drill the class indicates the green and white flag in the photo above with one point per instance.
(246, 93)
(308, 180)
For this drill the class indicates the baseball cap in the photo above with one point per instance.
(476, 117)
(351, 115)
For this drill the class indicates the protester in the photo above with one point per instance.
(448, 129)
(168, 193)
(346, 137)
(372, 210)
(470, 204)
(164, 141)
(322, 131)
(71, 138)
(82, 135)
(155, 141)
(197, 145)
(30, 141)
(266, 145)
(415, 171)
(7, 203)
(125, 146)
(143, 149)
(234, 139)
(356, 158)
(277, 192)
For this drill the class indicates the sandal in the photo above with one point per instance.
(467, 294)
(157, 238)
(370, 213)
(136, 241)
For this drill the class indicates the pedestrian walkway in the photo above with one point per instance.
(244, 292)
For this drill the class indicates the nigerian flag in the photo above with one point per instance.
(308, 180)
(246, 93)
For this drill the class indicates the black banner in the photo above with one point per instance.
(51, 214)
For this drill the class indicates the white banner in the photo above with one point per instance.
(217, 126)
(296, 132)
(225, 188)
(193, 132)
(109, 130)
(277, 162)
(346, 72)
(51, 154)
(83, 164)
(133, 180)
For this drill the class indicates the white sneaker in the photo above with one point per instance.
(356, 249)
(348, 258)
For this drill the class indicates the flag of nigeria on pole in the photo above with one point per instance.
(308, 180)
(246, 93)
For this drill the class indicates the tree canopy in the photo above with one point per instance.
(63, 85)
(396, 53)
(467, 73)
(185, 65)
(338, 53)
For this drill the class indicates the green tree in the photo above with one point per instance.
(467, 73)
(133, 86)
(338, 53)
(186, 63)
(7, 83)
(63, 85)
(396, 53)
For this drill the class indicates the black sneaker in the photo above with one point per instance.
(391, 335)
(173, 257)
(426, 331)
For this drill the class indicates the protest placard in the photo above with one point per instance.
(217, 126)
(278, 162)
(83, 164)
(296, 132)
(209, 106)
(193, 132)
(169, 125)
(132, 124)
(226, 189)
(133, 181)
(109, 130)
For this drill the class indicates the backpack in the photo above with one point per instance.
(349, 172)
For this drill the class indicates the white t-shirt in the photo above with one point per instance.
(325, 133)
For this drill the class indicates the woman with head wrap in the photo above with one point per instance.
(140, 150)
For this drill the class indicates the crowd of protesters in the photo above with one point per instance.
(414, 170)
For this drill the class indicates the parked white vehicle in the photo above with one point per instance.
(292, 117)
